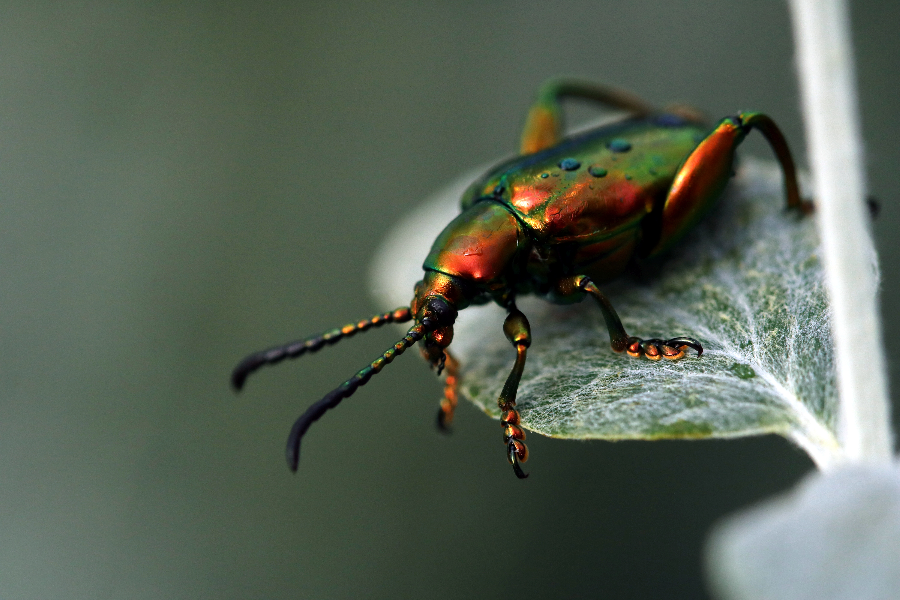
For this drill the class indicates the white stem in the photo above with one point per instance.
(827, 84)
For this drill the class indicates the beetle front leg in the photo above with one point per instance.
(518, 332)
(654, 348)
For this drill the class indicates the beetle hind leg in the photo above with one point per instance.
(702, 177)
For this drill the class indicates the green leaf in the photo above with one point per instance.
(747, 283)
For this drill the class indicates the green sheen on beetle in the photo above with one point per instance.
(566, 214)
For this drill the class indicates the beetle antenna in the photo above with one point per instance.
(346, 389)
(312, 344)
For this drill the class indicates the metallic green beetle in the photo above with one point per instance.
(565, 215)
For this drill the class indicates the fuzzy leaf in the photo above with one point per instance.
(747, 283)
(834, 537)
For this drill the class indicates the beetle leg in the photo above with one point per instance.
(766, 126)
(451, 396)
(705, 172)
(543, 127)
(518, 332)
(581, 284)
(686, 112)
(654, 349)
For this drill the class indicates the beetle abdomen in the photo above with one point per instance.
(595, 185)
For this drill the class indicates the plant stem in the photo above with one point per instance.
(827, 84)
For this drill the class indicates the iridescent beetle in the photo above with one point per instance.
(565, 215)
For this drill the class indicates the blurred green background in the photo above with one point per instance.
(183, 183)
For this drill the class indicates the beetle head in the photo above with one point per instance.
(436, 302)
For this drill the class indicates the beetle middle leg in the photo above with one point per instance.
(451, 394)
(654, 349)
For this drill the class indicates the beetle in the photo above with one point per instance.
(561, 218)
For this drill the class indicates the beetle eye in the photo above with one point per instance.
(440, 310)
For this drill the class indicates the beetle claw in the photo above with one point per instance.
(517, 452)
(686, 342)
(444, 418)
(441, 425)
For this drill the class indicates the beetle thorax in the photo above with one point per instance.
(478, 246)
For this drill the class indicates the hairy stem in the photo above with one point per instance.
(827, 83)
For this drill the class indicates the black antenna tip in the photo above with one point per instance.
(293, 465)
(244, 368)
(292, 453)
(237, 380)
(292, 450)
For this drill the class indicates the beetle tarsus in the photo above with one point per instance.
(655, 348)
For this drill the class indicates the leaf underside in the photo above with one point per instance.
(747, 283)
